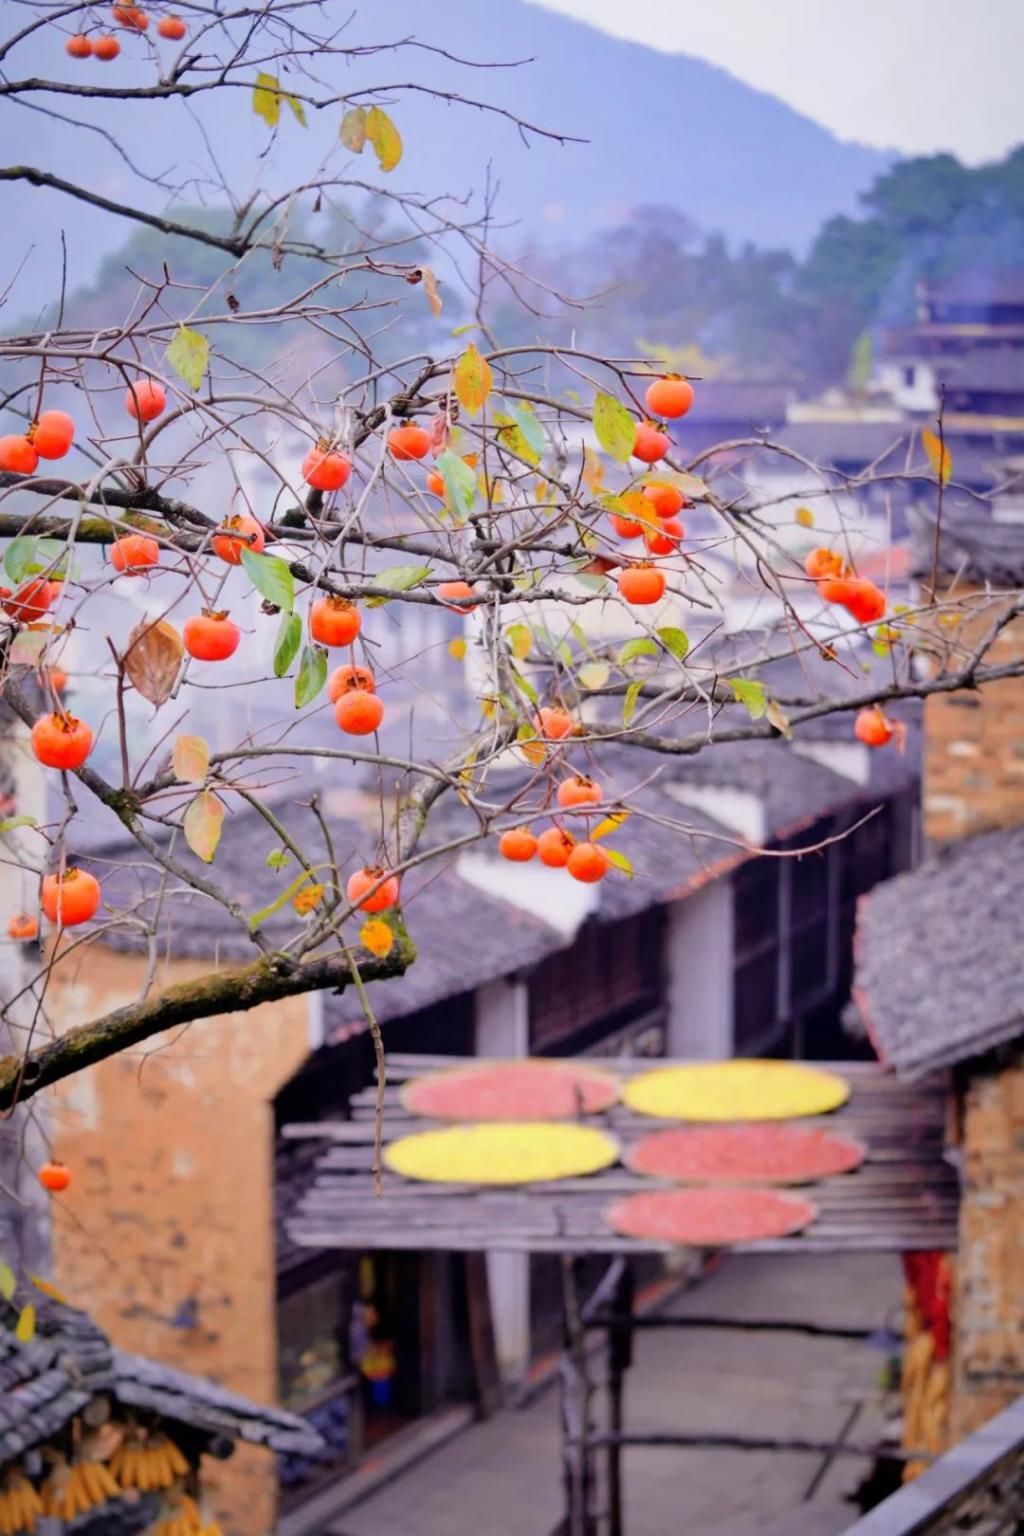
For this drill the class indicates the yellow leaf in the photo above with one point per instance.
(25, 1328)
(309, 897)
(593, 471)
(376, 936)
(457, 648)
(520, 641)
(385, 138)
(472, 379)
(488, 706)
(777, 717)
(49, 1290)
(266, 98)
(353, 129)
(805, 517)
(938, 455)
(191, 759)
(593, 674)
(432, 291)
(531, 748)
(203, 821)
(8, 1283)
(610, 824)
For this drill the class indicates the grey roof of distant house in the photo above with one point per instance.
(977, 285)
(45, 1382)
(938, 976)
(849, 445)
(995, 370)
(972, 544)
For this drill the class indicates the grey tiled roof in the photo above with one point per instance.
(972, 544)
(45, 1382)
(998, 370)
(938, 955)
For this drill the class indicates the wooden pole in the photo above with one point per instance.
(620, 1358)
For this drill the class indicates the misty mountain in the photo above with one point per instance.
(735, 159)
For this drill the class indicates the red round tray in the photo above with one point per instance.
(744, 1154)
(709, 1218)
(512, 1090)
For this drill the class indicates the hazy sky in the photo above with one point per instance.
(912, 75)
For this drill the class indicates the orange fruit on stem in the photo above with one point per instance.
(79, 46)
(872, 728)
(359, 712)
(334, 621)
(144, 399)
(22, 926)
(625, 527)
(458, 595)
(61, 741)
(649, 443)
(823, 562)
(324, 469)
(554, 724)
(836, 589)
(131, 16)
(172, 27)
(346, 679)
(641, 584)
(409, 442)
(666, 500)
(72, 898)
(664, 540)
(669, 397)
(554, 847)
(435, 484)
(587, 863)
(210, 636)
(518, 845)
(865, 602)
(106, 48)
(30, 601)
(17, 455)
(134, 552)
(579, 790)
(54, 1177)
(359, 883)
(235, 534)
(53, 434)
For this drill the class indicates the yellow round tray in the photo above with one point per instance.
(745, 1089)
(519, 1152)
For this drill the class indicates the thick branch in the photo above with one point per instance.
(235, 991)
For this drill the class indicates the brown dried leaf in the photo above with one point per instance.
(432, 291)
(153, 658)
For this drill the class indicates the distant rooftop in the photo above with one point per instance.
(938, 955)
(975, 285)
(992, 370)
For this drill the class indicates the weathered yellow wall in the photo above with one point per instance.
(989, 1347)
(171, 1148)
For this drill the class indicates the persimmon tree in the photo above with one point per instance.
(266, 430)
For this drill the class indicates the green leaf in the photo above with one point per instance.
(272, 578)
(25, 1327)
(19, 557)
(629, 702)
(591, 582)
(525, 419)
(286, 647)
(519, 640)
(312, 675)
(279, 901)
(12, 823)
(463, 330)
(459, 483)
(277, 858)
(634, 648)
(7, 1282)
(524, 685)
(751, 694)
(266, 98)
(472, 379)
(675, 640)
(593, 674)
(188, 354)
(353, 129)
(52, 557)
(385, 138)
(397, 578)
(512, 437)
(620, 861)
(298, 110)
(614, 426)
(202, 824)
